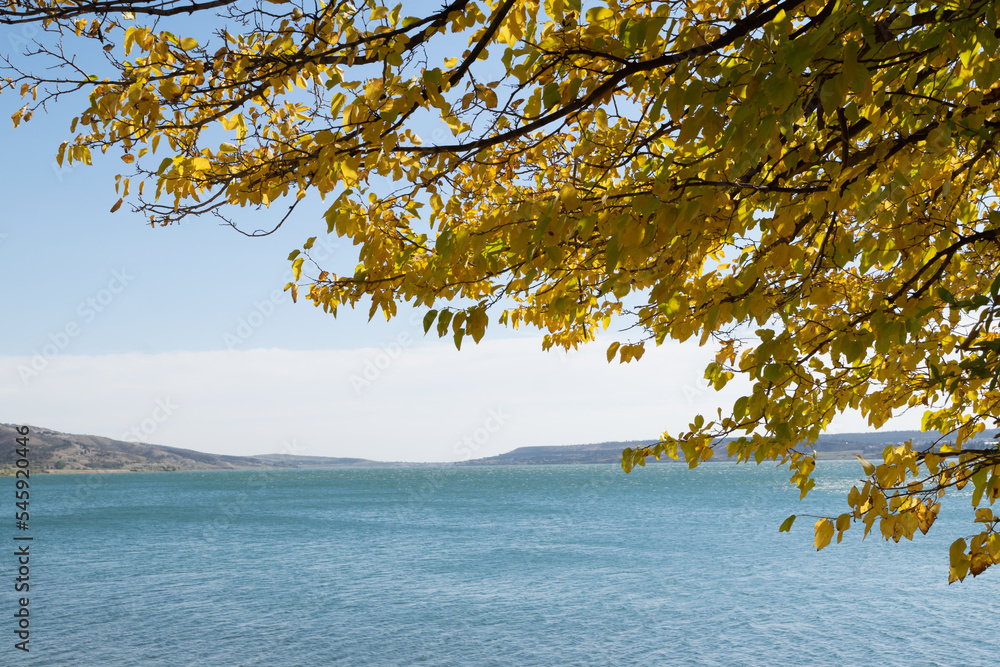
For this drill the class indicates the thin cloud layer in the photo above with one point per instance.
(402, 401)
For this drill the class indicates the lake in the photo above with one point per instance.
(504, 565)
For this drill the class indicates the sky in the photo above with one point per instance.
(182, 336)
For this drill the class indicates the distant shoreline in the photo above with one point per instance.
(820, 456)
(52, 452)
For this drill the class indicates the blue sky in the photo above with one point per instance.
(181, 336)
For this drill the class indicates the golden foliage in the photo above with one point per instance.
(809, 184)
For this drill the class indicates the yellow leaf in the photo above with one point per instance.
(349, 172)
(601, 118)
(843, 523)
(979, 562)
(959, 561)
(867, 465)
(993, 546)
(824, 533)
(16, 116)
(476, 324)
(925, 518)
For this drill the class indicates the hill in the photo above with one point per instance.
(601, 452)
(52, 450)
(829, 446)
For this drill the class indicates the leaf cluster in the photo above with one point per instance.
(811, 185)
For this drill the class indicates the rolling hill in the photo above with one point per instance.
(63, 452)
(52, 450)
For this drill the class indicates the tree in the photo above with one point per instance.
(810, 185)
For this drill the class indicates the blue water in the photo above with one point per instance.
(547, 565)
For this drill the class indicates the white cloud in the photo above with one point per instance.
(400, 401)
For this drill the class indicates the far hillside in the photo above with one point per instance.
(52, 451)
(829, 446)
